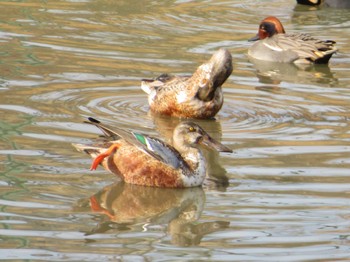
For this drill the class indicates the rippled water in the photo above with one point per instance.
(285, 190)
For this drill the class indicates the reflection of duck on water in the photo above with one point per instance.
(216, 174)
(125, 205)
(275, 73)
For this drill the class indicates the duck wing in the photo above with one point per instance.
(150, 145)
(161, 82)
(306, 46)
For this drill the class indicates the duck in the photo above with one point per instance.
(329, 3)
(274, 45)
(197, 96)
(148, 161)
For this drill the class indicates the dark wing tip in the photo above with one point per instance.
(93, 120)
(147, 80)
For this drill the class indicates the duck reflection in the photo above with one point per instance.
(216, 175)
(275, 73)
(125, 205)
(309, 12)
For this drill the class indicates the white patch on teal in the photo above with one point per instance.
(274, 47)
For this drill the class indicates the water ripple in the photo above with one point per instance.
(287, 197)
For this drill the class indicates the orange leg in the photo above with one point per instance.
(96, 207)
(102, 156)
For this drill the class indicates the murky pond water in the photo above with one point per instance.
(285, 194)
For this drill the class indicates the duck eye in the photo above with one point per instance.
(191, 129)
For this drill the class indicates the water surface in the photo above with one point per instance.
(284, 192)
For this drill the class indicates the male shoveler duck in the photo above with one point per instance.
(330, 3)
(275, 45)
(196, 96)
(145, 160)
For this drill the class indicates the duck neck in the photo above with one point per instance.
(195, 159)
(192, 155)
